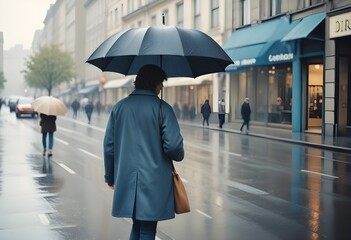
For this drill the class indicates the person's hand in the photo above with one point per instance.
(111, 185)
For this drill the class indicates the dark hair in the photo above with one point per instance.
(149, 76)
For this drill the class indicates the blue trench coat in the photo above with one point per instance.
(136, 161)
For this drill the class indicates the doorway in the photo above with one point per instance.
(314, 98)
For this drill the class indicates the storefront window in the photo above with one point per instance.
(270, 92)
(280, 94)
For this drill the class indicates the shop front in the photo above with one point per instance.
(340, 32)
(281, 71)
(114, 90)
(186, 95)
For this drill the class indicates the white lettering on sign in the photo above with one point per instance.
(340, 25)
(249, 61)
(281, 57)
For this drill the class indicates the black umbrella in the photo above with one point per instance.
(179, 52)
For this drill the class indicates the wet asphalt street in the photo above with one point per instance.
(239, 186)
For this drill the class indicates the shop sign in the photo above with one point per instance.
(340, 25)
(245, 62)
(281, 57)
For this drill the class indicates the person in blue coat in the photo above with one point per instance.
(138, 152)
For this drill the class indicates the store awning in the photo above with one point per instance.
(260, 44)
(305, 27)
(119, 83)
(176, 82)
(89, 89)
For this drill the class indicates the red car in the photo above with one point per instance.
(24, 107)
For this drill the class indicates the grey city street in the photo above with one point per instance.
(239, 186)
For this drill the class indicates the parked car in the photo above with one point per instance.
(24, 107)
(12, 101)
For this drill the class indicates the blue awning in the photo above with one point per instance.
(305, 27)
(260, 44)
(89, 89)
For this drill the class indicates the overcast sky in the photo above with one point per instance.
(20, 18)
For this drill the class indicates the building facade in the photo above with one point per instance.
(291, 56)
(206, 16)
(281, 69)
(337, 69)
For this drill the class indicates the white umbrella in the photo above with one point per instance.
(49, 105)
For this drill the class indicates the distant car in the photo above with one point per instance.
(24, 107)
(12, 103)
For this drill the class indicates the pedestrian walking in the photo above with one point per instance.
(206, 112)
(221, 113)
(138, 156)
(48, 127)
(75, 107)
(98, 107)
(89, 107)
(245, 113)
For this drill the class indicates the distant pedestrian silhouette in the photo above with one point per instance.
(75, 107)
(206, 112)
(89, 107)
(246, 113)
(221, 113)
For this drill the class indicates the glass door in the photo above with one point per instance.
(315, 98)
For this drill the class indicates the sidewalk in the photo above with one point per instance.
(342, 144)
(281, 134)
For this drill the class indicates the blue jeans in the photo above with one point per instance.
(143, 230)
(51, 139)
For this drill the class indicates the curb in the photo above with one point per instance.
(299, 142)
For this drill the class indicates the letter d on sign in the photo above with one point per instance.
(337, 26)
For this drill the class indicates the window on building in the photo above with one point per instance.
(246, 12)
(269, 89)
(214, 13)
(180, 14)
(197, 16)
(276, 7)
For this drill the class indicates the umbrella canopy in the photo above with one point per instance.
(179, 52)
(49, 105)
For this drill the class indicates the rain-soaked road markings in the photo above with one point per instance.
(44, 219)
(61, 141)
(318, 173)
(245, 188)
(90, 154)
(203, 214)
(66, 168)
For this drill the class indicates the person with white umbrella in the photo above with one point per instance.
(48, 107)
(48, 127)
